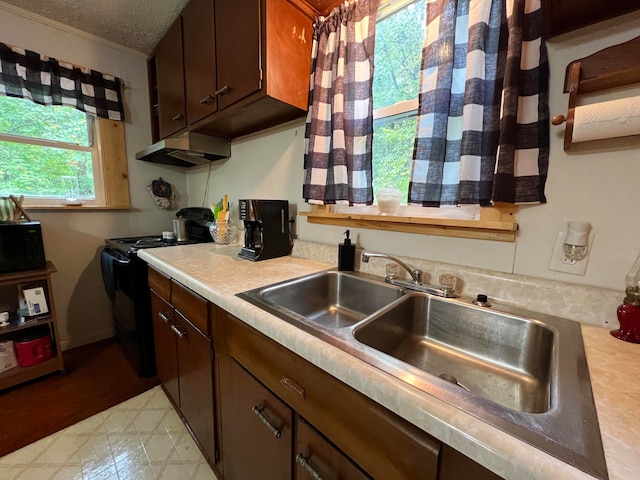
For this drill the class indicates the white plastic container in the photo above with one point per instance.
(388, 201)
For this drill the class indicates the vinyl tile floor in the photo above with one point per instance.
(140, 439)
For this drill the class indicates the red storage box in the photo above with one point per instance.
(32, 351)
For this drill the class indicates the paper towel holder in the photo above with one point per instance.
(615, 66)
(573, 100)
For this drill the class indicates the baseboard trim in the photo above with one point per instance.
(68, 343)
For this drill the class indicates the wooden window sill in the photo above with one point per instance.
(73, 207)
(495, 223)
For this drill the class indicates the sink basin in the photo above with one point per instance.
(522, 372)
(502, 358)
(330, 299)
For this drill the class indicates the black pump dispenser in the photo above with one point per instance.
(346, 254)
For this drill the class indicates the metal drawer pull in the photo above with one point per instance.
(164, 317)
(207, 99)
(180, 333)
(177, 117)
(304, 463)
(272, 428)
(222, 91)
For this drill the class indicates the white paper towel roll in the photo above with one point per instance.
(616, 118)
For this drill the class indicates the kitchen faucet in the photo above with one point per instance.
(416, 278)
(416, 275)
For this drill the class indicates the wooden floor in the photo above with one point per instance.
(97, 377)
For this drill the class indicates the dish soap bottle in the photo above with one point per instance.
(629, 311)
(346, 254)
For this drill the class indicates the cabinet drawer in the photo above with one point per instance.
(160, 283)
(190, 305)
(379, 441)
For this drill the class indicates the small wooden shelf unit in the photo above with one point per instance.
(8, 284)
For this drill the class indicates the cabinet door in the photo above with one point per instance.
(165, 345)
(316, 457)
(256, 427)
(170, 80)
(238, 43)
(199, 59)
(196, 383)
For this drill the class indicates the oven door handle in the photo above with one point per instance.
(116, 255)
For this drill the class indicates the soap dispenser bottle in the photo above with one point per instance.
(346, 254)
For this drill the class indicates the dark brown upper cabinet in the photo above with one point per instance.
(199, 46)
(561, 16)
(263, 52)
(238, 34)
(246, 67)
(170, 81)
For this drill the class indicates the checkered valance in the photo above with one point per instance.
(483, 117)
(47, 81)
(339, 129)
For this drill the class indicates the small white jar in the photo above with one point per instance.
(388, 201)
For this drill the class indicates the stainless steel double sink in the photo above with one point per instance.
(523, 372)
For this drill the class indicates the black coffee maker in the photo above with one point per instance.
(266, 229)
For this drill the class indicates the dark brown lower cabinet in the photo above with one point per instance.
(256, 427)
(316, 457)
(196, 383)
(258, 431)
(380, 443)
(184, 356)
(165, 346)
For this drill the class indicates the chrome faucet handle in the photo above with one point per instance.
(448, 282)
(391, 270)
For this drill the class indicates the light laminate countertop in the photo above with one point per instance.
(216, 273)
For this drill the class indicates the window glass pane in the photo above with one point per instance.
(23, 117)
(37, 171)
(392, 153)
(399, 39)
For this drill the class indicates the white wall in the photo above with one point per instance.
(73, 240)
(595, 184)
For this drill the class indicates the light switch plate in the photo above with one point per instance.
(560, 264)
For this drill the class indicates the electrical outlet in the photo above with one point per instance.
(560, 263)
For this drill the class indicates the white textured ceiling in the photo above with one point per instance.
(137, 24)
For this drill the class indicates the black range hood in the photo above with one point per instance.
(187, 150)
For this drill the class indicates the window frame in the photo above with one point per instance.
(96, 160)
(113, 171)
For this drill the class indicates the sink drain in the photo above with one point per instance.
(450, 378)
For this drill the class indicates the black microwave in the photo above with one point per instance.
(21, 247)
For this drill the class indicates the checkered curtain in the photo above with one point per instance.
(47, 81)
(339, 129)
(482, 134)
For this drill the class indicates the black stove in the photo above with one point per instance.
(125, 279)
